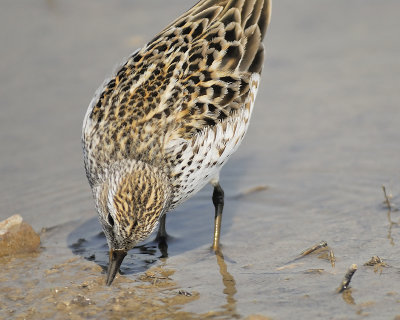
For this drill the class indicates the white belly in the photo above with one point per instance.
(204, 155)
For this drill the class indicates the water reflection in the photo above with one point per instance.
(391, 208)
(347, 297)
(88, 241)
(391, 224)
(229, 287)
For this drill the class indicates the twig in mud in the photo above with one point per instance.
(250, 191)
(324, 251)
(387, 201)
(322, 244)
(332, 258)
(347, 278)
(312, 249)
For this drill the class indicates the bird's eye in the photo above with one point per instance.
(110, 220)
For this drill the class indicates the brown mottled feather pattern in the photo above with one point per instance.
(203, 60)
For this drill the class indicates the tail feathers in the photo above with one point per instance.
(239, 26)
(251, 12)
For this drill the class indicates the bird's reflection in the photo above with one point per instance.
(229, 287)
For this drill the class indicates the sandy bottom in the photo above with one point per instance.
(323, 140)
(55, 284)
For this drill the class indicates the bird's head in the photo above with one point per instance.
(130, 202)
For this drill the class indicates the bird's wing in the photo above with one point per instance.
(216, 46)
(193, 74)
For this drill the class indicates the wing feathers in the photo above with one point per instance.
(194, 74)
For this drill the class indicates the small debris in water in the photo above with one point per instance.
(322, 248)
(332, 258)
(377, 263)
(314, 248)
(184, 293)
(347, 278)
(374, 261)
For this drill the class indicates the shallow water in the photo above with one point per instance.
(323, 139)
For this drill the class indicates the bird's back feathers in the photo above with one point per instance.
(191, 77)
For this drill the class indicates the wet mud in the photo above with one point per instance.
(50, 285)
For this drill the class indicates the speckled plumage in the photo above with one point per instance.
(172, 115)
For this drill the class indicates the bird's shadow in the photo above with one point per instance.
(187, 231)
(89, 241)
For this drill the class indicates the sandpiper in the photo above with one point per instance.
(170, 117)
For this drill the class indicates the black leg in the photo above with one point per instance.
(218, 200)
(162, 237)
